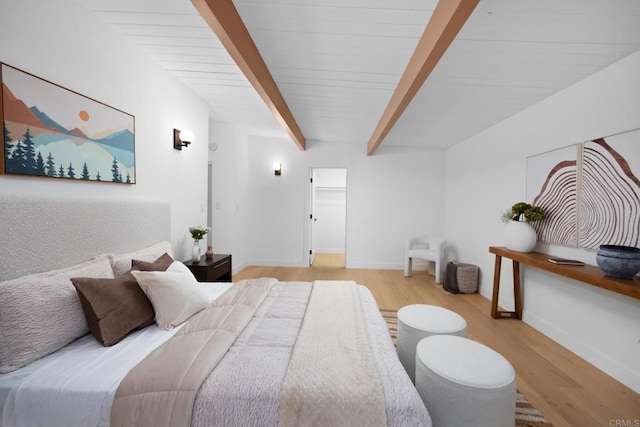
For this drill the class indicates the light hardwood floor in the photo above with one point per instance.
(565, 388)
(328, 260)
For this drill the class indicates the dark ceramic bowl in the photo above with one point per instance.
(619, 261)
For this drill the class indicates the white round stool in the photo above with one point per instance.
(419, 321)
(465, 383)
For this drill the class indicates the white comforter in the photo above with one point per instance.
(75, 385)
(89, 374)
(245, 388)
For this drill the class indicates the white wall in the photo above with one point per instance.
(395, 194)
(63, 42)
(330, 177)
(486, 174)
(329, 210)
(231, 217)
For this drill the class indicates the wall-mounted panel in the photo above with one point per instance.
(590, 192)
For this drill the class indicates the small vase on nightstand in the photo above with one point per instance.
(195, 252)
(209, 253)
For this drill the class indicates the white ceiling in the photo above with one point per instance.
(337, 62)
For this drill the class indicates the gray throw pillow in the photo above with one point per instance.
(41, 313)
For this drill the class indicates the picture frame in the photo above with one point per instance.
(590, 192)
(552, 184)
(53, 132)
(610, 191)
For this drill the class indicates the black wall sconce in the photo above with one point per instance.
(277, 169)
(182, 138)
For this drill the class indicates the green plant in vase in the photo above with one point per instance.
(197, 233)
(526, 212)
(520, 235)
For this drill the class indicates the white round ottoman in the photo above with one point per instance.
(419, 321)
(465, 383)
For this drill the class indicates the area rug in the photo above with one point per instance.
(526, 414)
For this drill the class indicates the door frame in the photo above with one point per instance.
(312, 219)
(309, 219)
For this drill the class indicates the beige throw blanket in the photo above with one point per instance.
(144, 399)
(332, 377)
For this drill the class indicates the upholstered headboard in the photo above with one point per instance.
(41, 233)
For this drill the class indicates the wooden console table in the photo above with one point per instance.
(588, 274)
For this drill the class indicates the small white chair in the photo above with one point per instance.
(427, 248)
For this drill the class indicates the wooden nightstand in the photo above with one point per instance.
(217, 269)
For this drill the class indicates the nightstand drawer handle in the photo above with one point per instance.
(222, 263)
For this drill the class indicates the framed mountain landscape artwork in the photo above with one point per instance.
(53, 132)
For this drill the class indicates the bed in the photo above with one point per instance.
(257, 352)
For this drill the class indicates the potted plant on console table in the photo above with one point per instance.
(519, 234)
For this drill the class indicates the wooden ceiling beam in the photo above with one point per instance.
(446, 21)
(224, 20)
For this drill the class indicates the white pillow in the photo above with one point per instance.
(175, 294)
(41, 313)
(122, 262)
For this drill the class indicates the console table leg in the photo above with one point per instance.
(516, 289)
(496, 287)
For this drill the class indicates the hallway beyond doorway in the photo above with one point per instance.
(324, 260)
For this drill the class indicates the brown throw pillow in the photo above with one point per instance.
(160, 264)
(113, 307)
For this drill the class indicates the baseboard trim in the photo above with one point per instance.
(620, 372)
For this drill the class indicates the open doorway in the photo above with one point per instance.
(328, 217)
